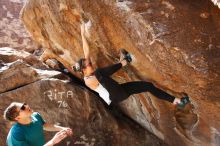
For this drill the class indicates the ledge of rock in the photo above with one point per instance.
(16, 72)
(8, 55)
(174, 44)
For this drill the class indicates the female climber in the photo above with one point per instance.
(111, 91)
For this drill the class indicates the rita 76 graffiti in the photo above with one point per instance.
(59, 96)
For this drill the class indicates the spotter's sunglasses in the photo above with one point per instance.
(23, 107)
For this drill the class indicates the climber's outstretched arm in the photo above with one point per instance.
(85, 43)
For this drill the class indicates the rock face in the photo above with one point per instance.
(63, 102)
(12, 31)
(174, 44)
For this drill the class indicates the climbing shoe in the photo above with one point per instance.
(183, 102)
(125, 55)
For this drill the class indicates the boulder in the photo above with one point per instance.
(175, 44)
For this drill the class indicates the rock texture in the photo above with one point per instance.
(63, 102)
(12, 31)
(174, 44)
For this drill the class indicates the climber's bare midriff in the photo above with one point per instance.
(91, 82)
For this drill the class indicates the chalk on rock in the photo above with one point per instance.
(88, 26)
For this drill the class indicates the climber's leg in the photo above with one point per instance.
(109, 70)
(142, 86)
